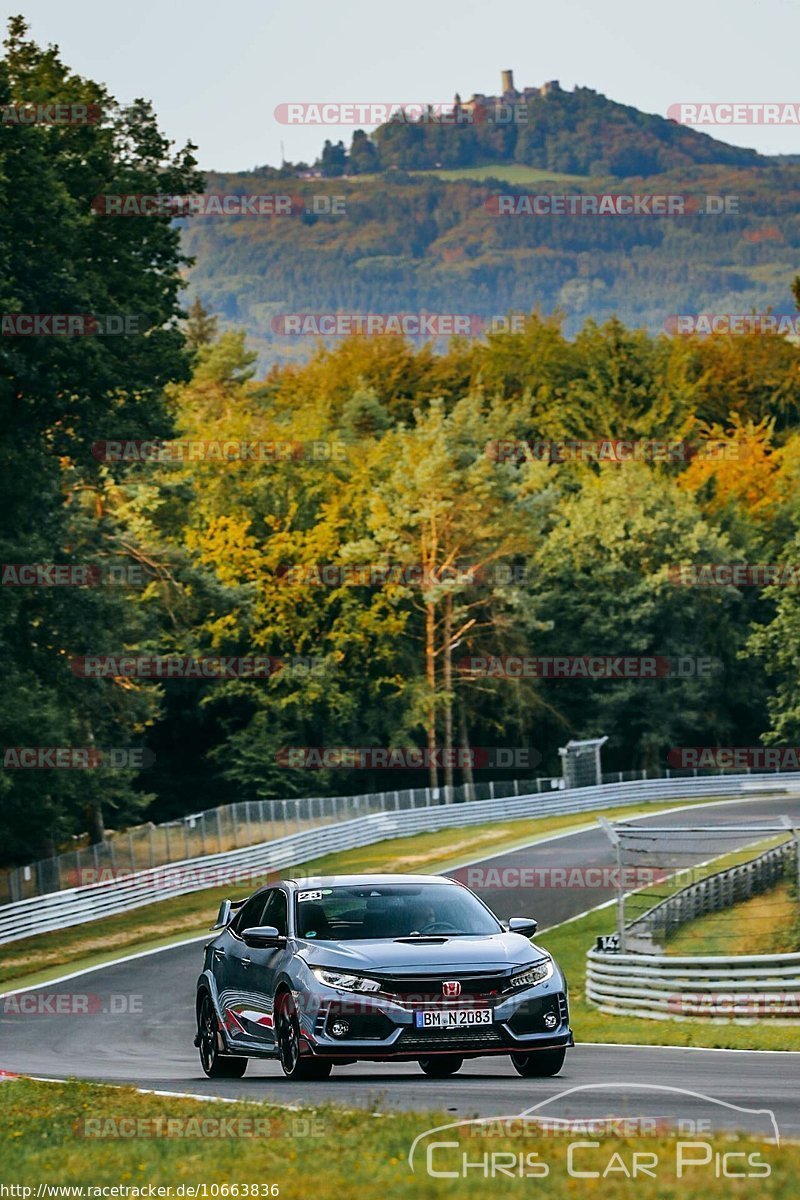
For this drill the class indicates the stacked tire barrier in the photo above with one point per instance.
(745, 987)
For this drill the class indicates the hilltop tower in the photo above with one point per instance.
(507, 83)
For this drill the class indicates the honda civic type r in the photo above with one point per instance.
(379, 968)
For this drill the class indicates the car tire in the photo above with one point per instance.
(214, 1064)
(287, 1038)
(439, 1066)
(540, 1063)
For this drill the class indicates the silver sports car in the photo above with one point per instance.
(379, 968)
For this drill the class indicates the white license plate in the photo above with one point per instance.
(452, 1018)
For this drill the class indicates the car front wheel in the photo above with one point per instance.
(441, 1065)
(287, 1036)
(215, 1065)
(539, 1063)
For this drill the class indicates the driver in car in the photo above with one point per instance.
(421, 918)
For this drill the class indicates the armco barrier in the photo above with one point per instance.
(745, 987)
(73, 906)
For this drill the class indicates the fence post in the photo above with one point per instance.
(613, 837)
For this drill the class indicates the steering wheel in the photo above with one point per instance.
(439, 927)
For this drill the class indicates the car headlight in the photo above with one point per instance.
(538, 973)
(349, 983)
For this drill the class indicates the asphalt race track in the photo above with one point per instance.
(139, 1026)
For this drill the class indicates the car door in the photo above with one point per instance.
(259, 967)
(233, 969)
(267, 962)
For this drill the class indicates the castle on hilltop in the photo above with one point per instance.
(508, 94)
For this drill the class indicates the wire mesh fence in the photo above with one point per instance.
(231, 827)
(707, 889)
(247, 823)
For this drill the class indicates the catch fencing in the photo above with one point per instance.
(716, 892)
(251, 822)
(124, 890)
(629, 974)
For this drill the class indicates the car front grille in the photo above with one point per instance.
(423, 989)
(468, 1038)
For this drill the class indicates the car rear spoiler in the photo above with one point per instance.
(225, 912)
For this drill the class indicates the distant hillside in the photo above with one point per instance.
(420, 230)
(411, 242)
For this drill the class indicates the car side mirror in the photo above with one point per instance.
(262, 937)
(524, 925)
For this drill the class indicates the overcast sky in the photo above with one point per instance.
(216, 71)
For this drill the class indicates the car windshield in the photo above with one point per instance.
(357, 912)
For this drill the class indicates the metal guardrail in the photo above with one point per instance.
(74, 906)
(714, 892)
(745, 987)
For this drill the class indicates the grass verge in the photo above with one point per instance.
(765, 924)
(34, 960)
(68, 1135)
(504, 172)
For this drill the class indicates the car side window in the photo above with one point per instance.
(249, 914)
(276, 912)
